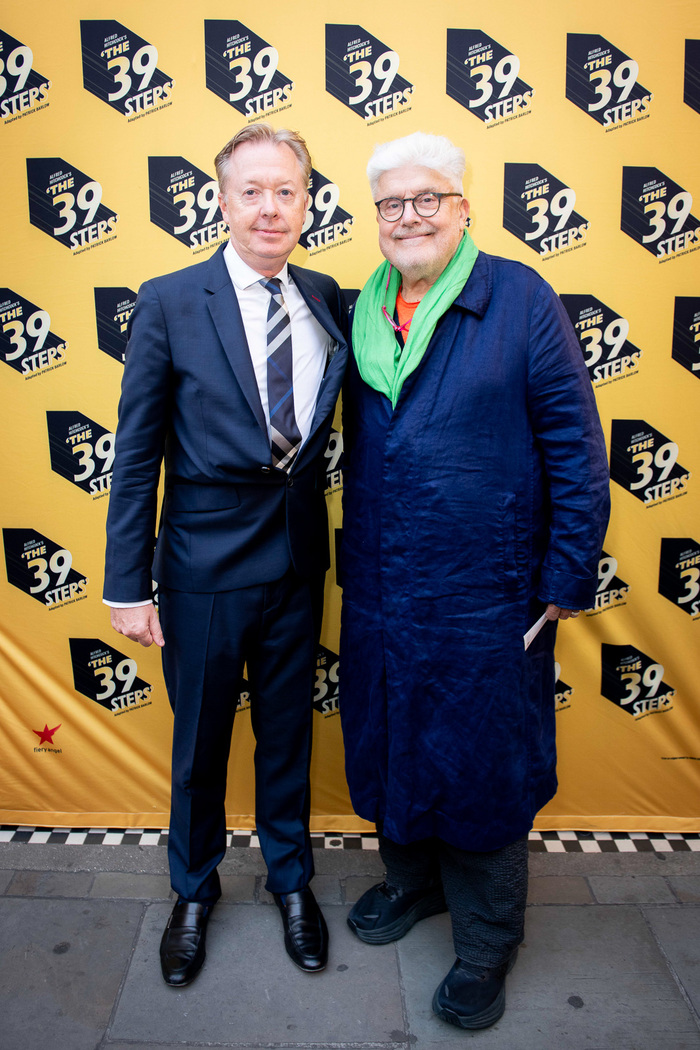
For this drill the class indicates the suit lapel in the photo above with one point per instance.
(332, 379)
(226, 315)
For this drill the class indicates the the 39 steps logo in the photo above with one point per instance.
(563, 693)
(686, 333)
(656, 214)
(363, 74)
(23, 90)
(645, 462)
(634, 682)
(612, 591)
(242, 69)
(108, 677)
(679, 574)
(42, 569)
(325, 699)
(482, 76)
(113, 308)
(602, 81)
(334, 461)
(67, 205)
(603, 336)
(326, 224)
(184, 203)
(121, 69)
(538, 209)
(27, 343)
(81, 451)
(691, 75)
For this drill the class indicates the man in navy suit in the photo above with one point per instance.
(232, 372)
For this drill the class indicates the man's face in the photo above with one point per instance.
(264, 202)
(420, 248)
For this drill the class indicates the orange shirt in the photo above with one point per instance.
(404, 312)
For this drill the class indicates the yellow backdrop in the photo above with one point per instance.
(580, 123)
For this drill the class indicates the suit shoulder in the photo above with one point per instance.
(512, 269)
(193, 276)
(320, 282)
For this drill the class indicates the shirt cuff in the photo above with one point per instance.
(126, 605)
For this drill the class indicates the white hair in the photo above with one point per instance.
(427, 151)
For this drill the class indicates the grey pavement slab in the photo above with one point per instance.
(558, 889)
(686, 888)
(50, 884)
(130, 885)
(587, 978)
(250, 993)
(631, 889)
(678, 933)
(5, 879)
(237, 888)
(61, 966)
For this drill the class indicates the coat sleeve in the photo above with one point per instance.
(566, 426)
(144, 411)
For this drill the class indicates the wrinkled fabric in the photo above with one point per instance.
(479, 499)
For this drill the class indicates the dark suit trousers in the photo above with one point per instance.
(273, 628)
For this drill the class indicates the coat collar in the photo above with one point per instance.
(476, 294)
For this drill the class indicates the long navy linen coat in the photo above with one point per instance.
(480, 498)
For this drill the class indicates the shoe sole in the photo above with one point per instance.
(486, 1018)
(483, 1020)
(422, 909)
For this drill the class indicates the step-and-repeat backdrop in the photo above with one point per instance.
(580, 122)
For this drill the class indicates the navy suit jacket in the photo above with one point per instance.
(190, 398)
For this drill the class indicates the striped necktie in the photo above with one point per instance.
(284, 433)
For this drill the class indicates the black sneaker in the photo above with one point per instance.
(473, 996)
(385, 913)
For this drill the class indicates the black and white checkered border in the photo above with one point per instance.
(539, 841)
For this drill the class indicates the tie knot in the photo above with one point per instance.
(273, 285)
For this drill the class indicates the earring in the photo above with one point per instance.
(468, 221)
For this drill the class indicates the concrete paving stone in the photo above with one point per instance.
(55, 857)
(678, 932)
(586, 979)
(237, 889)
(5, 879)
(60, 970)
(250, 992)
(663, 864)
(630, 889)
(131, 885)
(50, 884)
(356, 885)
(686, 888)
(559, 889)
(345, 862)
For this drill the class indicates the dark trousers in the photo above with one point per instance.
(272, 628)
(486, 893)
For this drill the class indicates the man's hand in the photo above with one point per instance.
(553, 612)
(140, 624)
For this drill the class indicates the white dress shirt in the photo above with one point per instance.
(311, 343)
(311, 346)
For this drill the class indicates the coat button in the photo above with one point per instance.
(266, 470)
(290, 482)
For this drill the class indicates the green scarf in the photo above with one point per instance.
(383, 364)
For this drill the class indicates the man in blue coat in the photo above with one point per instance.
(232, 372)
(475, 503)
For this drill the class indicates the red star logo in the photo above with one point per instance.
(46, 735)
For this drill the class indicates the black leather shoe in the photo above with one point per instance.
(182, 949)
(473, 996)
(305, 931)
(385, 913)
